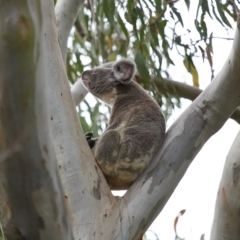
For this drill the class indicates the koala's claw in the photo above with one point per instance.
(91, 142)
(89, 135)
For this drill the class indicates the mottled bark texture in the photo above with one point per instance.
(31, 193)
(226, 223)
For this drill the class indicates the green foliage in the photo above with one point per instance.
(147, 31)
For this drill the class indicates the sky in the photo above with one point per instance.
(197, 191)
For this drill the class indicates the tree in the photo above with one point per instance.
(227, 205)
(40, 130)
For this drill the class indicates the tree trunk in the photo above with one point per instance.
(32, 197)
(226, 224)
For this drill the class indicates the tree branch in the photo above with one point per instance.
(86, 190)
(78, 92)
(226, 218)
(66, 13)
(186, 91)
(80, 29)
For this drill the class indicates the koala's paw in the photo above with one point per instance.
(91, 142)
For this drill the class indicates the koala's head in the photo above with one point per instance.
(102, 81)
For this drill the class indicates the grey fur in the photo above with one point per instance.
(136, 128)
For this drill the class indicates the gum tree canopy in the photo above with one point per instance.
(50, 185)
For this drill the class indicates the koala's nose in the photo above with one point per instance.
(85, 75)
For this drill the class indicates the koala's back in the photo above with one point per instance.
(136, 128)
(134, 135)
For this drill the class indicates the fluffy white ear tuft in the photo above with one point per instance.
(124, 70)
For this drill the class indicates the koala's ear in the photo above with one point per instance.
(124, 71)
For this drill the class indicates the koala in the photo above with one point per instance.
(136, 127)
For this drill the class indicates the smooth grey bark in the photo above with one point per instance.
(85, 189)
(78, 92)
(226, 223)
(66, 13)
(31, 193)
